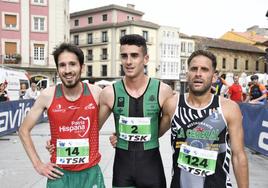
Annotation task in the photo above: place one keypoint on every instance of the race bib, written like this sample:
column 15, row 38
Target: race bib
column 199, row 162
column 72, row 151
column 136, row 129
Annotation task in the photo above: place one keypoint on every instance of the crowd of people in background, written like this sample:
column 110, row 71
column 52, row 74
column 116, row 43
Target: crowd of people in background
column 31, row 93
column 254, row 92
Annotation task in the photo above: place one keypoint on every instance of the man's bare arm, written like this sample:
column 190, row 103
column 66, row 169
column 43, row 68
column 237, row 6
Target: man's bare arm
column 239, row 158
column 106, row 103
column 168, row 110
column 29, row 122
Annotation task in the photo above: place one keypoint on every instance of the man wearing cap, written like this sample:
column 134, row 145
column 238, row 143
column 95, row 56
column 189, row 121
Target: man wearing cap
column 257, row 92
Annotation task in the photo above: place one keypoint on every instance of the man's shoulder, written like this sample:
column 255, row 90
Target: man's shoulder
column 227, row 103
column 94, row 87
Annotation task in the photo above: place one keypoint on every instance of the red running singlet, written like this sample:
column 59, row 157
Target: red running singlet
column 74, row 130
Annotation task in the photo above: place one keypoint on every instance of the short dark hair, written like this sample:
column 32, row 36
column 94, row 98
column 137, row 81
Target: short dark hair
column 134, row 39
column 205, row 53
column 69, row 48
column 254, row 77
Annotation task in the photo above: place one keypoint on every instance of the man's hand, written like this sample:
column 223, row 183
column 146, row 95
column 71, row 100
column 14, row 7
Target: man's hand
column 48, row 170
column 113, row 139
column 50, row 147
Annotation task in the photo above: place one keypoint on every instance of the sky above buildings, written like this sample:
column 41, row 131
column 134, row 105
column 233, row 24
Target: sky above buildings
column 211, row 18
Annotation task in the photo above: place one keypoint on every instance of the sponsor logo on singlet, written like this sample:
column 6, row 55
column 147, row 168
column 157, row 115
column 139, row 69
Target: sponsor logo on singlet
column 120, row 102
column 90, row 106
column 80, row 126
column 58, row 109
column 73, row 107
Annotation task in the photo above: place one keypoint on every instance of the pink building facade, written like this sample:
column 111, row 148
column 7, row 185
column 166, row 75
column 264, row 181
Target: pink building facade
column 29, row 33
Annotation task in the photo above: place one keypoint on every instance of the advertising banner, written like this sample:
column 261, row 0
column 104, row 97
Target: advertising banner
column 255, row 124
column 12, row 114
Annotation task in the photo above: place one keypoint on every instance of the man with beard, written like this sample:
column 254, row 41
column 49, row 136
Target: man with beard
column 72, row 109
column 206, row 131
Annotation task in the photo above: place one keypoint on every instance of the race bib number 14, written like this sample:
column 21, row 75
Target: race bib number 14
column 72, row 151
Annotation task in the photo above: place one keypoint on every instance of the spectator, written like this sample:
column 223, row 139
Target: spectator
column 257, row 92
column 235, row 91
column 217, row 85
column 22, row 90
column 3, row 93
column 31, row 93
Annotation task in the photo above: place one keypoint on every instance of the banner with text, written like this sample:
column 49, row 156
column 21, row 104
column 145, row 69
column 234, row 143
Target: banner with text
column 12, row 114
column 255, row 124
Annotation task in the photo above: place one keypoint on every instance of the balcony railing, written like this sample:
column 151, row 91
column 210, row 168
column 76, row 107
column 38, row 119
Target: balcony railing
column 10, row 26
column 104, row 56
column 39, row 62
column 94, row 41
column 89, row 57
column 10, row 59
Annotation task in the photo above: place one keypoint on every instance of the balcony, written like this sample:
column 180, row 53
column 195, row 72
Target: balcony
column 38, row 61
column 10, row 59
column 11, row 26
column 93, row 42
column 104, row 57
column 89, row 58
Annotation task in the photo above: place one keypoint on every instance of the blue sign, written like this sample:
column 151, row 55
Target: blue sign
column 12, row 114
column 255, row 124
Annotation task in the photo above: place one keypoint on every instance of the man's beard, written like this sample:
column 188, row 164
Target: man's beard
column 70, row 86
column 200, row 92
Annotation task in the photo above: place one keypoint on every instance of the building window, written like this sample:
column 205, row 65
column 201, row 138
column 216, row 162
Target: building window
column 39, row 51
column 183, row 65
column 90, row 55
column 104, row 70
column 10, row 21
column 10, row 51
column 104, row 54
column 122, row 73
column 145, row 35
column 39, row 24
column 76, row 39
column 104, row 36
column 104, row 17
column 257, row 65
column 163, row 68
column 190, row 47
column 90, row 20
column 89, row 70
column 89, row 38
column 122, row 33
column 223, row 63
column 246, row 65
column 76, row 22
column 235, row 63
column 145, row 69
column 183, row 48
column 39, row 2
column 13, row 1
